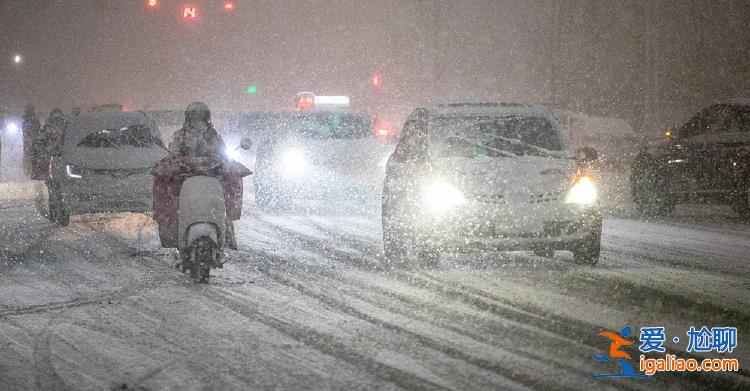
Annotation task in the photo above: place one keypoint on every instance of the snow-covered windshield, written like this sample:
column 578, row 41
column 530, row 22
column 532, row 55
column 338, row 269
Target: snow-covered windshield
column 493, row 137
column 135, row 136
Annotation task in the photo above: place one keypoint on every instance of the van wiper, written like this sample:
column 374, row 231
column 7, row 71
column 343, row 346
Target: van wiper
column 474, row 144
column 542, row 151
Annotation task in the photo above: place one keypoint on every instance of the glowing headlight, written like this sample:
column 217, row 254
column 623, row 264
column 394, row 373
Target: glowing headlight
column 231, row 153
column 292, row 162
column 12, row 128
column 70, row 170
column 441, row 196
column 583, row 192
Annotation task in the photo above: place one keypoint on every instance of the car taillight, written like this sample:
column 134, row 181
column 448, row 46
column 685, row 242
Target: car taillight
column 384, row 131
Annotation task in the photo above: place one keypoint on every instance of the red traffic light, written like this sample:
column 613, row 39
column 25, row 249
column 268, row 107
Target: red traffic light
column 189, row 12
column 228, row 6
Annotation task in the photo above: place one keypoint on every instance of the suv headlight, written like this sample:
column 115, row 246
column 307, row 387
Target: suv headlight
column 292, row 162
column 72, row 172
column 441, row 196
column 583, row 192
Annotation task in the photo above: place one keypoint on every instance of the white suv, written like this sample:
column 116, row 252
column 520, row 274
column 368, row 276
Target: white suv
column 493, row 177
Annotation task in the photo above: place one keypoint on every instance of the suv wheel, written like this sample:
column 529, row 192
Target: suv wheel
column 58, row 214
column 586, row 251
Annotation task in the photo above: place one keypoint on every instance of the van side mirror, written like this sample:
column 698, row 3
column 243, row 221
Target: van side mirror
column 246, row 143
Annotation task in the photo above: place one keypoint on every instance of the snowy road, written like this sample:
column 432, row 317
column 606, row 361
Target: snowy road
column 304, row 304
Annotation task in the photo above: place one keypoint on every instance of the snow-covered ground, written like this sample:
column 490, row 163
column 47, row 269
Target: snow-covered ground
column 305, row 304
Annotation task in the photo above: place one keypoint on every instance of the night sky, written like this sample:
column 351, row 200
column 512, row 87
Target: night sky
column 607, row 58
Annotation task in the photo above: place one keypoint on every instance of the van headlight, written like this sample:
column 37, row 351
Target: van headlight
column 440, row 196
column 292, row 162
column 72, row 172
column 583, row 192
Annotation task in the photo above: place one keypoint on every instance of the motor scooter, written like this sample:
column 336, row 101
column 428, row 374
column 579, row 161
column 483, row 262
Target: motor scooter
column 196, row 201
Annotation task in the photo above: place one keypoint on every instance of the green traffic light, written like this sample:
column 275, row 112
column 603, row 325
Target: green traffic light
column 252, row 90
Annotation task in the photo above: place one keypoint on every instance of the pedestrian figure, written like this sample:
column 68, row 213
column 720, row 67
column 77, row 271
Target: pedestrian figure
column 30, row 128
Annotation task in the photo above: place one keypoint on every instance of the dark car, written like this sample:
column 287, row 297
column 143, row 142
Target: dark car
column 103, row 164
column 706, row 160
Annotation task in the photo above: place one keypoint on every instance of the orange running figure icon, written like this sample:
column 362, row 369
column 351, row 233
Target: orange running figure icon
column 617, row 342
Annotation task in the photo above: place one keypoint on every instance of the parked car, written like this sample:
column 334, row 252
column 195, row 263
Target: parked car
column 102, row 164
column 706, row 160
column 488, row 177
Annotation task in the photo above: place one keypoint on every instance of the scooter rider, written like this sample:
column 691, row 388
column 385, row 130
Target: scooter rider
column 199, row 138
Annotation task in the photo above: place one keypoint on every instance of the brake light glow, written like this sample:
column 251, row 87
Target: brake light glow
column 384, row 131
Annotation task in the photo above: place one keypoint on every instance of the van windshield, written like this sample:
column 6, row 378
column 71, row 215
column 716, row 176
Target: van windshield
column 494, row 137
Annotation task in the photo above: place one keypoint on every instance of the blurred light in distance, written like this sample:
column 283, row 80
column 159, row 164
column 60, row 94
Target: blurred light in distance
column 384, row 131
column 377, row 80
column 228, row 6
column 17, row 59
column 304, row 100
column 252, row 90
column 12, row 128
column 292, row 162
column 331, row 102
column 232, row 153
column 583, row 192
column 153, row 3
column 189, row 12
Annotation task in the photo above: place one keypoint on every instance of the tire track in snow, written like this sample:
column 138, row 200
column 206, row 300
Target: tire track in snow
column 506, row 371
column 324, row 343
column 573, row 330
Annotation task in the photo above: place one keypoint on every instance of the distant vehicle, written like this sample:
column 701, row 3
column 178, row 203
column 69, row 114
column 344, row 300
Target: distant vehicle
column 102, row 164
column 318, row 155
column 467, row 177
column 706, row 160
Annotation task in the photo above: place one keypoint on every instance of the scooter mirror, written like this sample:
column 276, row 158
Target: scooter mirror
column 246, row 143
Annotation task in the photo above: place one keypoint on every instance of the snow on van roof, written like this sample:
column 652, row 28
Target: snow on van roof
column 490, row 109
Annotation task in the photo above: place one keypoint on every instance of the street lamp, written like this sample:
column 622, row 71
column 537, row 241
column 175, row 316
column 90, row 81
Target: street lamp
column 17, row 59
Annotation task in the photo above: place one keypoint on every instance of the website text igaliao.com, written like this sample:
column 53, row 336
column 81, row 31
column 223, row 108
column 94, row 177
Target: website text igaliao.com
column 671, row 363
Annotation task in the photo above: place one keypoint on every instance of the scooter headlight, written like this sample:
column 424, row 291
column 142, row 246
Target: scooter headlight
column 292, row 162
column 231, row 153
column 583, row 192
column 441, row 196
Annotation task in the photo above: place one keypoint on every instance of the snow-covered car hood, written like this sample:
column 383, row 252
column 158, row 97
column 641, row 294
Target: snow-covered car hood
column 520, row 176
